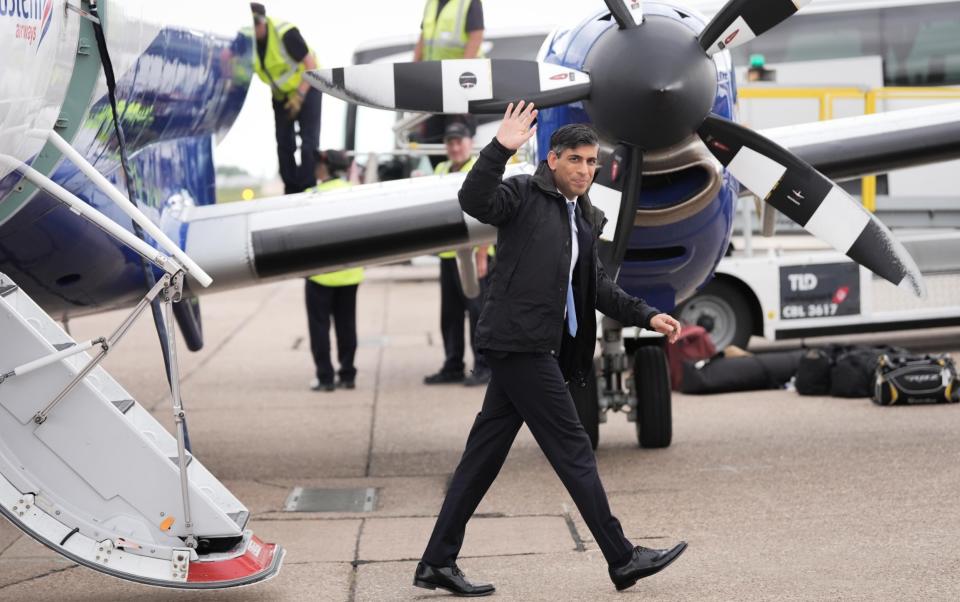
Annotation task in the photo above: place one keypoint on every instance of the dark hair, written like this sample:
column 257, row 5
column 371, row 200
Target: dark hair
column 572, row 136
column 336, row 161
column 259, row 12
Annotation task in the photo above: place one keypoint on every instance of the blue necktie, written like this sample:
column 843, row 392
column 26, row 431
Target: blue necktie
column 571, row 309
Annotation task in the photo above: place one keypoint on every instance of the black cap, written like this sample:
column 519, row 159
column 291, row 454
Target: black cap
column 258, row 9
column 336, row 160
column 456, row 130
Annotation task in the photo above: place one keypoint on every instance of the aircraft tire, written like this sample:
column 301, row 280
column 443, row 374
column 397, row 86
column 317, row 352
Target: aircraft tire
column 652, row 387
column 587, row 402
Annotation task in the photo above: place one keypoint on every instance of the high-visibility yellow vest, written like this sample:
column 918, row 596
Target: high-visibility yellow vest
column 445, row 35
column 277, row 65
column 443, row 169
column 343, row 277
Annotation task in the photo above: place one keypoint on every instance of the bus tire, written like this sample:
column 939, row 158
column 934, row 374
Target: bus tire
column 723, row 310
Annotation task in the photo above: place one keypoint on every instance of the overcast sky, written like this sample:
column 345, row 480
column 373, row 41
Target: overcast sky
column 334, row 30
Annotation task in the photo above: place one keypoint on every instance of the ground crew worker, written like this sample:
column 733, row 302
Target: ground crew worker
column 450, row 29
column 281, row 58
column 333, row 294
column 453, row 302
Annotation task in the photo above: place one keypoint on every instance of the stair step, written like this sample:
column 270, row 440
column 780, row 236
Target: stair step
column 240, row 518
column 176, row 460
column 124, row 405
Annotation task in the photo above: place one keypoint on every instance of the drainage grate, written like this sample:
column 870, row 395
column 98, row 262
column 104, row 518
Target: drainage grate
column 331, row 500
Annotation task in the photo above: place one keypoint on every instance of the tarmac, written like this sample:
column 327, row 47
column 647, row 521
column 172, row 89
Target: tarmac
column 780, row 497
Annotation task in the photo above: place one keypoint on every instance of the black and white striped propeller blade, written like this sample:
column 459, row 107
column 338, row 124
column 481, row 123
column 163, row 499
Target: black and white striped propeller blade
column 453, row 86
column 627, row 13
column 739, row 21
column 616, row 190
column 807, row 197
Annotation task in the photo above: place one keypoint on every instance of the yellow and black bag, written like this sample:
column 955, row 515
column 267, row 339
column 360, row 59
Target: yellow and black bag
column 915, row 379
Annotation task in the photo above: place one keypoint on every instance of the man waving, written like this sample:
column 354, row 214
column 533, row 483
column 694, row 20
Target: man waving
column 538, row 331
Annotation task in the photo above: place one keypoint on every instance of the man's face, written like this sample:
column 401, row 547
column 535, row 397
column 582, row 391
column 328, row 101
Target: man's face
column 260, row 29
column 574, row 168
column 459, row 149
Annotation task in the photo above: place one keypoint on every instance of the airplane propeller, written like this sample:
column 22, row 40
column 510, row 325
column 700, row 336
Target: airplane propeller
column 810, row 199
column 455, row 86
column 740, row 21
column 662, row 102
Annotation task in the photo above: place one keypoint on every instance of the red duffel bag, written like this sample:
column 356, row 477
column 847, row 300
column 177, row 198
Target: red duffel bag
column 693, row 345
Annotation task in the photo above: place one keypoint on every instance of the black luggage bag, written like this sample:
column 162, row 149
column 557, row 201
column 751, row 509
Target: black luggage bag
column 903, row 379
column 730, row 374
column 841, row 370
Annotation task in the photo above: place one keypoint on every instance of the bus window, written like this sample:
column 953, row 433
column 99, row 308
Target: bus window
column 816, row 37
column 918, row 43
column 921, row 46
column 823, row 45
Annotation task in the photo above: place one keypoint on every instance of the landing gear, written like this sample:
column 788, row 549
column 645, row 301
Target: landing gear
column 651, row 376
column 649, row 402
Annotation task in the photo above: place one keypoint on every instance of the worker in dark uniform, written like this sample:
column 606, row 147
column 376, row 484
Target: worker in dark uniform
column 454, row 304
column 538, row 330
column 280, row 59
column 450, row 29
column 333, row 294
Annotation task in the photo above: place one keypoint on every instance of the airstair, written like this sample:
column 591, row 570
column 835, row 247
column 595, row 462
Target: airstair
column 89, row 472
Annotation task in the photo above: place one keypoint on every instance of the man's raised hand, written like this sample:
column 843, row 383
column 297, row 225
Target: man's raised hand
column 516, row 128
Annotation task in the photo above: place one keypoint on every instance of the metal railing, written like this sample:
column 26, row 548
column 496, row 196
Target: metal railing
column 827, row 96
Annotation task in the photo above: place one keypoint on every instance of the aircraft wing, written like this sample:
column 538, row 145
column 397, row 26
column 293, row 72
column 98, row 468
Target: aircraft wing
column 302, row 234
column 853, row 147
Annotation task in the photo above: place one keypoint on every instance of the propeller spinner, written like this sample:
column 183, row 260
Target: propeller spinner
column 651, row 86
column 649, row 83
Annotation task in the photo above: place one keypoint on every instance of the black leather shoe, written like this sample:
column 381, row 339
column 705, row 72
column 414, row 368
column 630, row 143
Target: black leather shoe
column 643, row 563
column 316, row 385
column 449, row 578
column 346, row 384
column 443, row 378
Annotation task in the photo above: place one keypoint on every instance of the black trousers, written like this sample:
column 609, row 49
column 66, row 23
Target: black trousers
column 453, row 305
column 297, row 178
column 526, row 387
column 341, row 303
